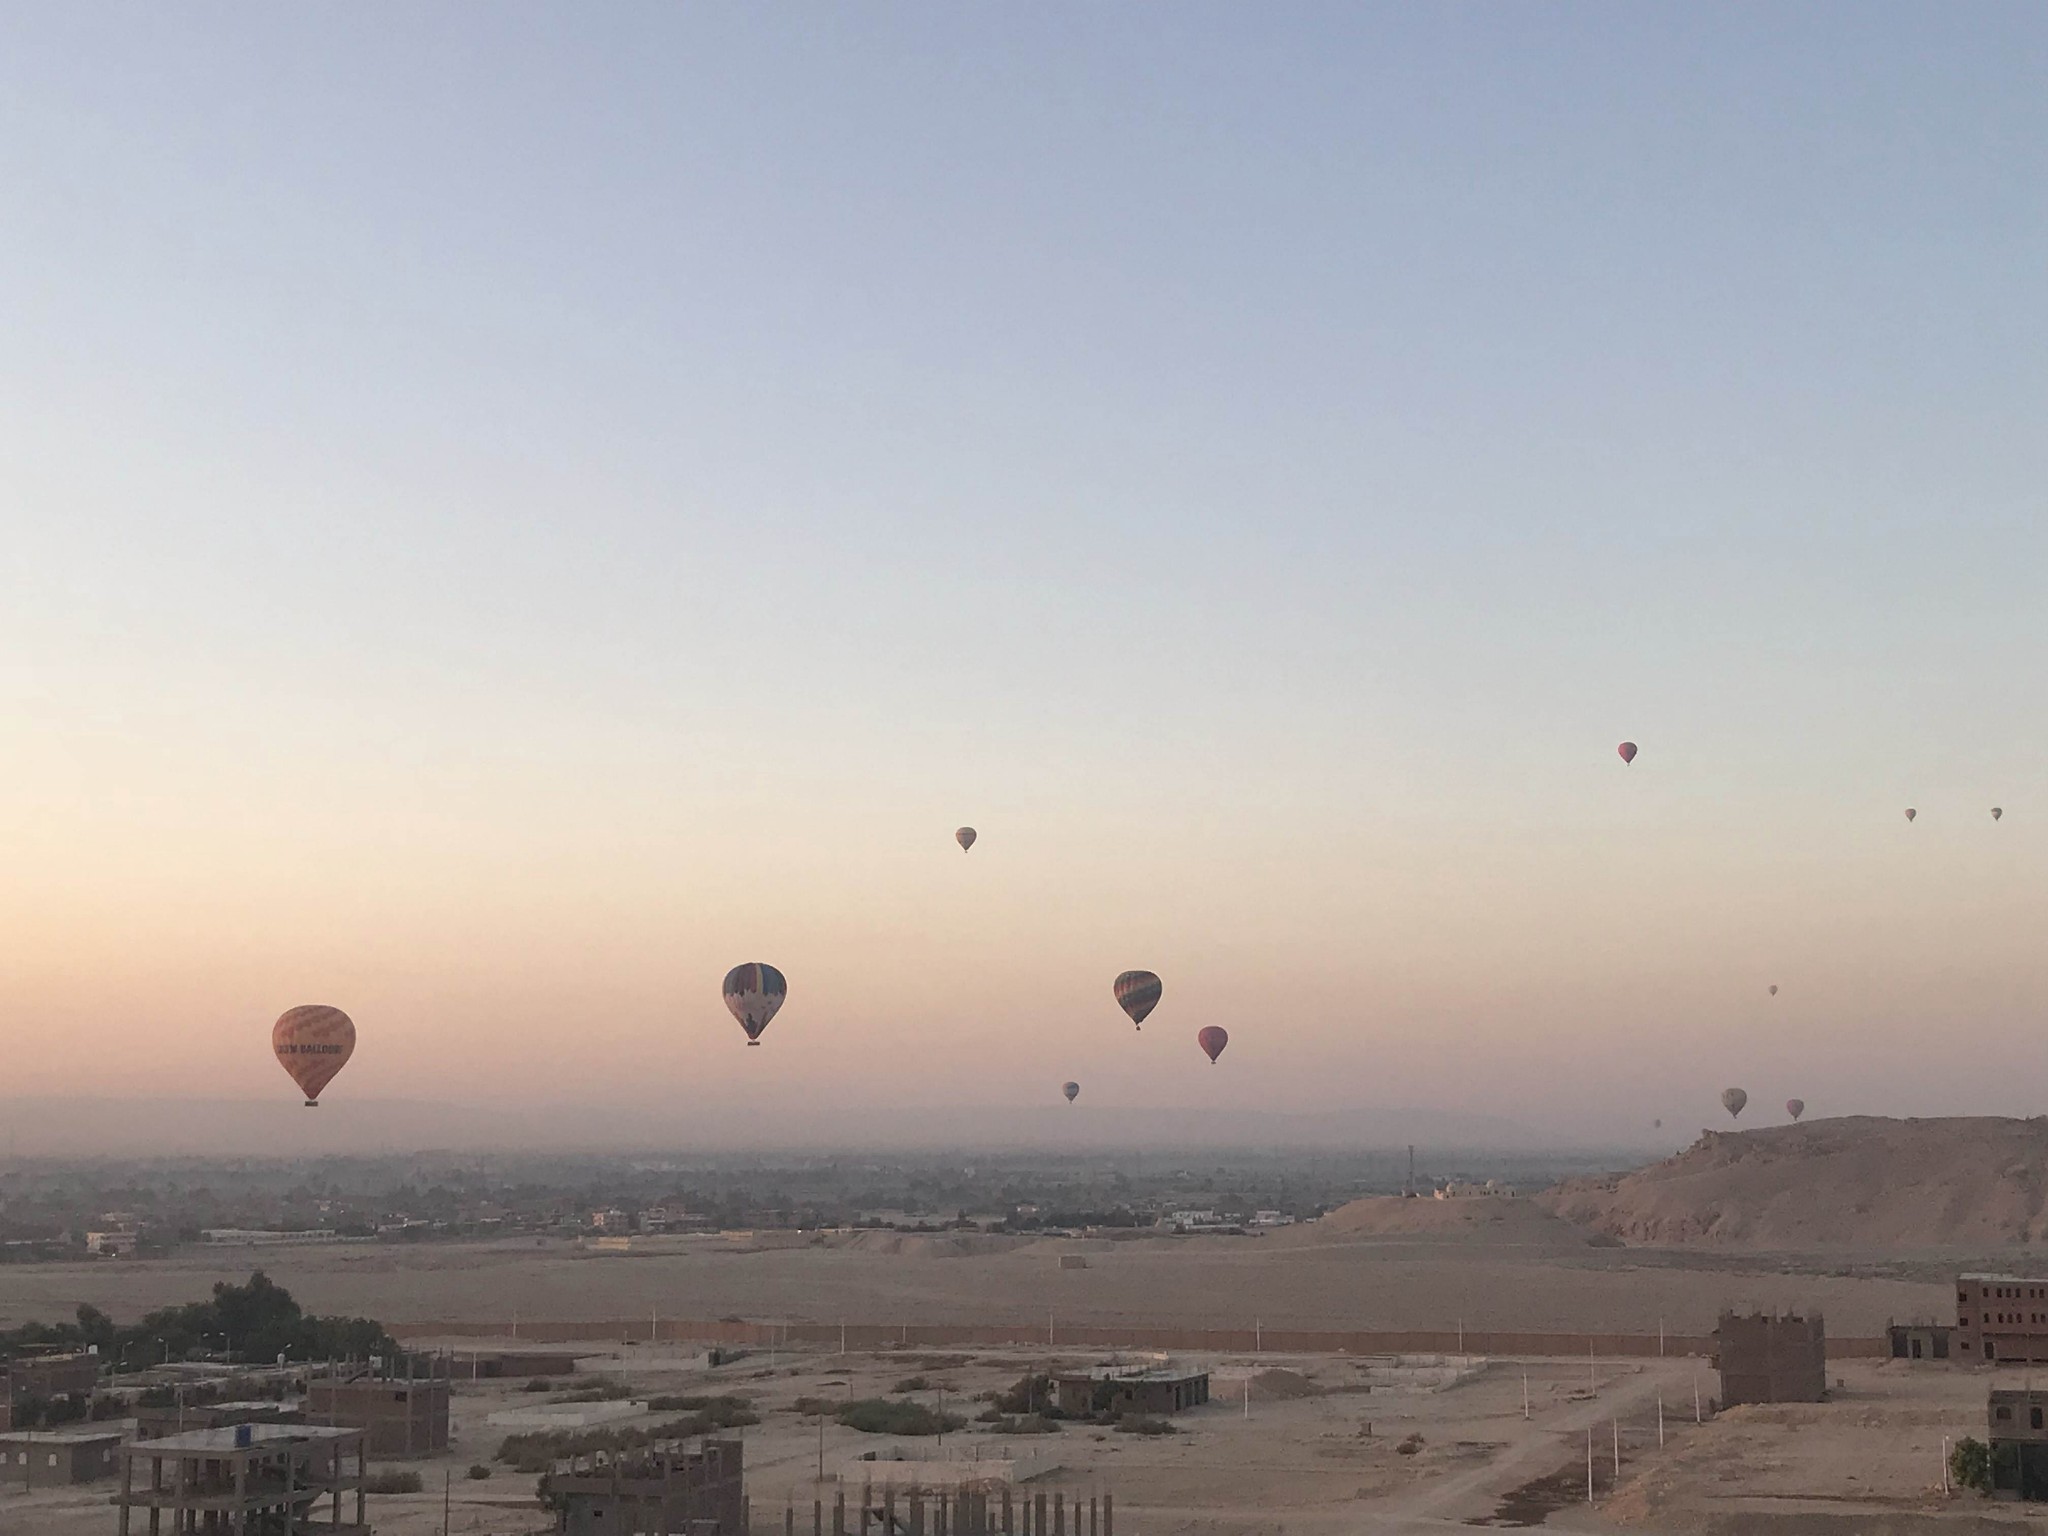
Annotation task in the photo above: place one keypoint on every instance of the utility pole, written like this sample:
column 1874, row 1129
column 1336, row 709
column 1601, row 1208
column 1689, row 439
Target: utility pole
column 447, row 1500
column 1525, row 1392
column 1617, row 1449
column 1696, row 1392
column 1592, row 1373
column 1660, row 1419
column 1589, row 1463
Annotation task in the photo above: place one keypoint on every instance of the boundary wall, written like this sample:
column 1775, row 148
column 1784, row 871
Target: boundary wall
column 868, row 1337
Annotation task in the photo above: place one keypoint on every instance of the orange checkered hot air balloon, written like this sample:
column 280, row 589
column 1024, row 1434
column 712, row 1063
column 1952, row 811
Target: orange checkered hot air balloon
column 313, row 1043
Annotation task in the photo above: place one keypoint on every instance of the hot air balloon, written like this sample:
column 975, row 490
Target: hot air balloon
column 1911, row 813
column 1774, row 989
column 1732, row 1100
column 1072, row 1091
column 1212, row 1038
column 1137, row 993
column 1656, row 1125
column 1997, row 811
column 753, row 992
column 964, row 837
column 1628, row 751
column 1795, row 1107
column 313, row 1043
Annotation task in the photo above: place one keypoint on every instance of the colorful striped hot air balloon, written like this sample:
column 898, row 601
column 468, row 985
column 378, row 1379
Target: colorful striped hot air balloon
column 753, row 992
column 312, row 1044
column 1137, row 993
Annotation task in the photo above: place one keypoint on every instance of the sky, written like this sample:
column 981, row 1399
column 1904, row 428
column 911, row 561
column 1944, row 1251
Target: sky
column 507, row 512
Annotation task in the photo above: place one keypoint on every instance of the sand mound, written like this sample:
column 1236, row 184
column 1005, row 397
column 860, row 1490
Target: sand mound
column 1482, row 1218
column 1280, row 1386
column 1860, row 1182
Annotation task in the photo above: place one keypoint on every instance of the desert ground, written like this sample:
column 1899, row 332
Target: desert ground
column 1341, row 1281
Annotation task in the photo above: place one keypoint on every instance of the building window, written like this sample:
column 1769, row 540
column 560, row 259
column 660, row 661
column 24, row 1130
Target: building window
column 2034, row 1417
column 2001, row 1414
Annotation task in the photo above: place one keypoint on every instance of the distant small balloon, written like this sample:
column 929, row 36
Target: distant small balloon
column 1212, row 1039
column 1072, row 1091
column 1628, row 751
column 312, row 1044
column 1732, row 1100
column 1911, row 813
column 964, row 837
column 1774, row 989
column 1656, row 1125
column 753, row 992
column 1795, row 1107
column 1137, row 993
column 1997, row 812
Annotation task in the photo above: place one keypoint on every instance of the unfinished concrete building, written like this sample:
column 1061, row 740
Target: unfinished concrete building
column 1771, row 1358
column 268, row 1478
column 666, row 1490
column 403, row 1415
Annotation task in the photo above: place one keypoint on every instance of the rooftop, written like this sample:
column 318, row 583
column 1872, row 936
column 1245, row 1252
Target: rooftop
column 1131, row 1373
column 201, row 1442
column 70, row 1435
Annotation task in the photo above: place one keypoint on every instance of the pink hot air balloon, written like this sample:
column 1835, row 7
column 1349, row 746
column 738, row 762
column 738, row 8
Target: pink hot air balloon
column 1628, row 751
column 1911, row 813
column 313, row 1043
column 1795, row 1107
column 1212, row 1038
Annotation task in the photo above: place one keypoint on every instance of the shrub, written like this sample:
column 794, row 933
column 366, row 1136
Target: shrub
column 1138, row 1424
column 603, row 1392
column 880, row 1416
column 541, row 1449
column 1969, row 1463
column 392, row 1482
column 538, row 1384
column 478, row 1472
column 1409, row 1447
column 697, row 1404
column 1029, row 1394
column 912, row 1384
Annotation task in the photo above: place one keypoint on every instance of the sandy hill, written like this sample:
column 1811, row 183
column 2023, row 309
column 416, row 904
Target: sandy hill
column 1476, row 1218
column 1857, row 1182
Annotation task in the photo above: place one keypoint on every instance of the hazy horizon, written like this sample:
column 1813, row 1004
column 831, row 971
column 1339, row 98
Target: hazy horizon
column 512, row 513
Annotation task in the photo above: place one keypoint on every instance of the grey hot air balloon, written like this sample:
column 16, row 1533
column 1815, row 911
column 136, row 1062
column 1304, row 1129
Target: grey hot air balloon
column 1072, row 1091
column 1137, row 993
column 1997, row 811
column 965, row 838
column 1795, row 1107
column 1732, row 1100
column 1774, row 989
column 1911, row 813
column 753, row 992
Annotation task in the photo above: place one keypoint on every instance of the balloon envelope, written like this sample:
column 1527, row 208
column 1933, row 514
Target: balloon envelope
column 1628, row 751
column 313, row 1043
column 1212, row 1039
column 1774, row 989
column 1997, row 811
column 1072, row 1091
column 1795, row 1107
column 1911, row 813
column 753, row 992
column 1732, row 1100
column 964, row 837
column 1137, row 993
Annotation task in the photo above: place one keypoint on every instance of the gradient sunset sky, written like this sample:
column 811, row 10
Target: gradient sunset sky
column 510, row 511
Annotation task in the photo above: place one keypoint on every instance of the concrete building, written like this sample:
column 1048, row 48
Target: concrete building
column 247, row 1477
column 1771, row 1358
column 48, row 1458
column 1920, row 1341
column 492, row 1364
column 112, row 1245
column 2001, row 1319
column 1116, row 1390
column 664, row 1491
column 402, row 1416
column 2018, row 1425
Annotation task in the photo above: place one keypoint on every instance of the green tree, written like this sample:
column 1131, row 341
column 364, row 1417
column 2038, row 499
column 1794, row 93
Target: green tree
column 1969, row 1464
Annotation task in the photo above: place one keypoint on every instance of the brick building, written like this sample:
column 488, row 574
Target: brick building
column 700, row 1491
column 2018, row 1433
column 271, row 1478
column 2001, row 1319
column 402, row 1416
column 52, row 1378
column 46, row 1458
column 1771, row 1358
column 1118, row 1390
